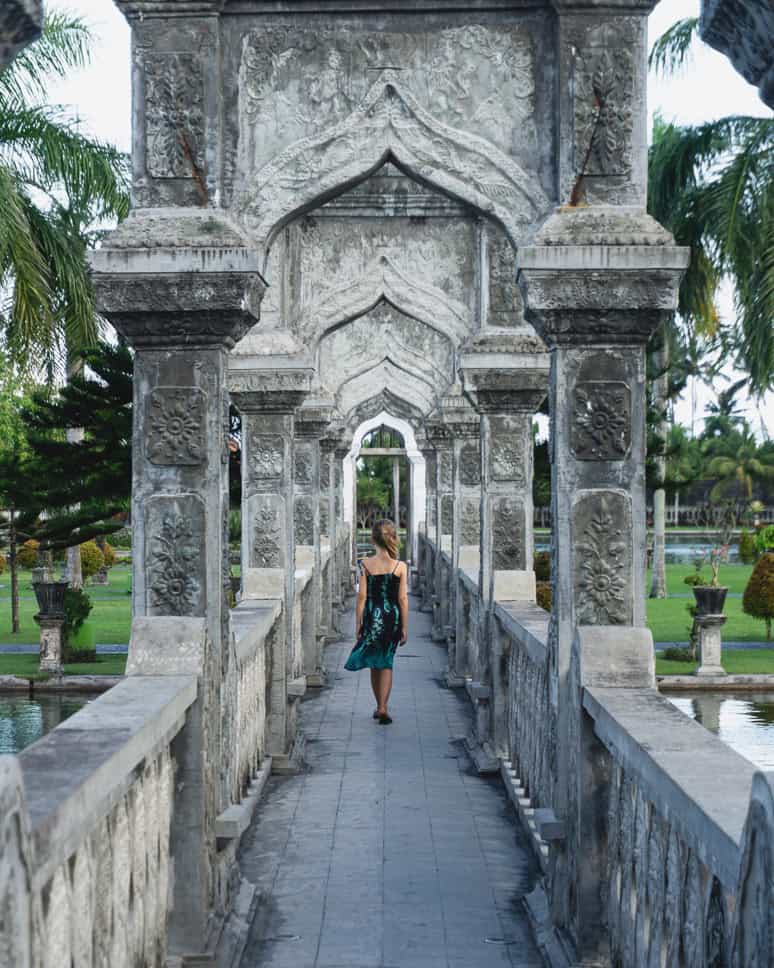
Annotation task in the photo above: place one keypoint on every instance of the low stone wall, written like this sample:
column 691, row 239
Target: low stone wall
column 670, row 857
column 86, row 813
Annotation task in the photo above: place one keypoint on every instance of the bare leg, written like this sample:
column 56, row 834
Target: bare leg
column 375, row 686
column 384, row 688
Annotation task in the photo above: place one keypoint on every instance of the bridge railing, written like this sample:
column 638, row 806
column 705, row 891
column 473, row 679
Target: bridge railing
column 669, row 856
column 86, row 815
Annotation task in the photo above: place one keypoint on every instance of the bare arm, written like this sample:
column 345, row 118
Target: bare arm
column 362, row 592
column 403, row 603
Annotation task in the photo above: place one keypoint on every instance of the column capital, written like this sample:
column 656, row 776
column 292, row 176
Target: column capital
column 313, row 418
column 458, row 414
column 332, row 439
column 505, row 373
column 184, row 278
column 599, row 276
column 269, row 389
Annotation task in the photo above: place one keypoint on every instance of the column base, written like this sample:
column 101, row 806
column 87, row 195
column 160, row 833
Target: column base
column 288, row 764
column 453, row 681
column 708, row 671
column 482, row 755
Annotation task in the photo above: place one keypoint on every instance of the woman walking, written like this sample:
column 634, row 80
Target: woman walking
column 381, row 618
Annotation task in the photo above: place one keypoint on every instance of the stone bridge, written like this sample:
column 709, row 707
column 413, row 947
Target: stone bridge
column 430, row 216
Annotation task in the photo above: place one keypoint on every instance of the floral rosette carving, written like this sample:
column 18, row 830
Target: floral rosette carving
column 176, row 433
column 601, row 584
column 266, row 458
column 508, row 459
column 173, row 583
column 601, row 420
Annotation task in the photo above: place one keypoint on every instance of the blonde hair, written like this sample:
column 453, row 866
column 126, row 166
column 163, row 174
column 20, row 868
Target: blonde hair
column 385, row 536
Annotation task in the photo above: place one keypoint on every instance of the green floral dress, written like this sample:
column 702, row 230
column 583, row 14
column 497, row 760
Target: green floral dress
column 381, row 629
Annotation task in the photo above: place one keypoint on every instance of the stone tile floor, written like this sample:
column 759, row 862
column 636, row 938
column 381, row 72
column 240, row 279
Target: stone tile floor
column 389, row 851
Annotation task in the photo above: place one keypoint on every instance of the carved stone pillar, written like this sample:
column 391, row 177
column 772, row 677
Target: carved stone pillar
column 312, row 421
column 344, row 555
column 596, row 284
column 182, row 308
column 440, row 437
column 267, row 399
column 329, row 528
column 506, row 377
column 431, row 500
column 462, row 422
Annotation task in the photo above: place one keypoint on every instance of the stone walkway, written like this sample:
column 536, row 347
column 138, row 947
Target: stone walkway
column 389, row 852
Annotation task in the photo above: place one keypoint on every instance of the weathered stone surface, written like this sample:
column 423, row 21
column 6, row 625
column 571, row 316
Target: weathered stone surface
column 20, row 23
column 176, row 556
column 743, row 31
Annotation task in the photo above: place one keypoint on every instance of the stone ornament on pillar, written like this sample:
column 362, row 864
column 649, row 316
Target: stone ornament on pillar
column 176, row 427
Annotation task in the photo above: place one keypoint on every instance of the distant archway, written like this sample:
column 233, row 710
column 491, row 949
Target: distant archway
column 418, row 483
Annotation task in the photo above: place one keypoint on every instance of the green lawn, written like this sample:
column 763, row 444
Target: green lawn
column 110, row 616
column 26, row 665
column 735, row 662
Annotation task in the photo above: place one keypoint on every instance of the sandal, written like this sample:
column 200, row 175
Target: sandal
column 384, row 719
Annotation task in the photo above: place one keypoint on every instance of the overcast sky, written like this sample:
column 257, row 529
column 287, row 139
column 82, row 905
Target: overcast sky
column 709, row 88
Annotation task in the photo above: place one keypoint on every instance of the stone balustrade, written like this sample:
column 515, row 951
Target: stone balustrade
column 681, row 854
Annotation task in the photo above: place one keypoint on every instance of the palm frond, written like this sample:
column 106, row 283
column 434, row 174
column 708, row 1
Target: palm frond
column 62, row 47
column 672, row 49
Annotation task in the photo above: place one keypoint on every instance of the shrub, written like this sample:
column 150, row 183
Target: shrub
column 122, row 539
column 109, row 554
column 543, row 595
column 77, row 606
column 542, row 565
column 2, row 563
column 234, row 527
column 81, row 646
column 747, row 550
column 758, row 598
column 27, row 555
column 764, row 538
column 92, row 559
column 678, row 653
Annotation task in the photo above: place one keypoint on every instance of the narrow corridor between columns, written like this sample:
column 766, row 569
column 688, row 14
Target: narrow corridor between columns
column 389, row 851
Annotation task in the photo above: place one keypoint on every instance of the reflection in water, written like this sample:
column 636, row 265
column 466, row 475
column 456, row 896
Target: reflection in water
column 743, row 720
column 23, row 720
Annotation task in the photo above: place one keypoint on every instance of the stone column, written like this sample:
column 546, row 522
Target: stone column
column 428, row 558
column 312, row 421
column 396, row 491
column 182, row 307
column 344, row 556
column 267, row 399
column 710, row 645
column 440, row 437
column 596, row 284
column 506, row 377
column 330, row 528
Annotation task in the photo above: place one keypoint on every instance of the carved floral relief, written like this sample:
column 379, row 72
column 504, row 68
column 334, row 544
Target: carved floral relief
column 601, row 426
column 267, row 538
column 470, row 530
column 267, row 460
column 603, row 110
column 303, row 521
column 174, row 115
column 602, row 571
column 470, row 464
column 507, row 534
column 447, row 468
column 447, row 515
column 508, row 458
column 174, row 570
column 303, row 466
column 176, row 426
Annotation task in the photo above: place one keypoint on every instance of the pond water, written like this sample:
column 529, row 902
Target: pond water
column 744, row 720
column 24, row 719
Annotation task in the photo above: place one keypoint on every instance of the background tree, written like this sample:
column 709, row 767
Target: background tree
column 712, row 186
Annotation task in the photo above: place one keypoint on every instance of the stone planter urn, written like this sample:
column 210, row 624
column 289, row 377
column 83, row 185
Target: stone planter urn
column 50, row 618
column 710, row 599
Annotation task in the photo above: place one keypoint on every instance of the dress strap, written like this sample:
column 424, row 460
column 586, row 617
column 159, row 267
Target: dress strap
column 396, row 567
column 365, row 567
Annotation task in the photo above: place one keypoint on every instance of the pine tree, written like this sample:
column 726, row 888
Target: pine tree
column 81, row 485
column 758, row 598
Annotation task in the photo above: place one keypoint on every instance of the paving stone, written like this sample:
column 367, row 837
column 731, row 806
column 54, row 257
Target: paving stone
column 388, row 852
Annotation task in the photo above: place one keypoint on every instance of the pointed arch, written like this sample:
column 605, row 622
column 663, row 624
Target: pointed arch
column 416, row 391
column 389, row 123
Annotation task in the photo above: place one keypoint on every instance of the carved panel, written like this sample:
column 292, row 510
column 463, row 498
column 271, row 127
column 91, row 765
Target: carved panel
column 176, row 426
column 447, row 470
column 174, row 115
column 303, row 521
column 325, row 473
column 447, row 514
column 266, row 458
column 602, row 572
column 604, row 90
column 324, row 516
column 470, row 530
column 509, row 459
column 470, row 464
column 267, row 549
column 303, row 466
column 601, row 420
column 507, row 534
column 176, row 554
column 506, row 307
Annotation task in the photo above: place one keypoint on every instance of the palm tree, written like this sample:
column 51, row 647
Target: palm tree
column 712, row 185
column 55, row 185
column 738, row 467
